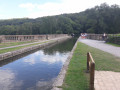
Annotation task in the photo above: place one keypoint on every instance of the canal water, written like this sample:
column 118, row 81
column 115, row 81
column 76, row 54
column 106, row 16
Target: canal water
column 36, row 71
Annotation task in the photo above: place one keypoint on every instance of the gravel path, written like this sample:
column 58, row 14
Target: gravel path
column 102, row 46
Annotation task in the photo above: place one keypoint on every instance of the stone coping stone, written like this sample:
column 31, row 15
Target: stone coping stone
column 14, row 53
column 8, row 54
column 1, row 57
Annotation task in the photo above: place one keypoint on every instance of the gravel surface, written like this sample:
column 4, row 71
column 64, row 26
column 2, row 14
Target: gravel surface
column 102, row 46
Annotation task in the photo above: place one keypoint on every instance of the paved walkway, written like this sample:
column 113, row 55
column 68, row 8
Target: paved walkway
column 105, row 80
column 102, row 46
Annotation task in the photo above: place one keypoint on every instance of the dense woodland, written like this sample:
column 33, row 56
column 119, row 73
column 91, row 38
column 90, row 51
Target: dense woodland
column 100, row 19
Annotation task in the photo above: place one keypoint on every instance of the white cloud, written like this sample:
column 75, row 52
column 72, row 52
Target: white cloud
column 65, row 6
column 30, row 61
column 51, row 59
column 7, row 80
column 45, row 85
column 56, row 58
column 28, row 6
column 1, row 15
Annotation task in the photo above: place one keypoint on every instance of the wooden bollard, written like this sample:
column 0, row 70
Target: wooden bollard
column 92, row 72
column 88, row 59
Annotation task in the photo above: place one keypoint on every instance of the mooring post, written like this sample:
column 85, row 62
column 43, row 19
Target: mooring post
column 92, row 72
column 88, row 59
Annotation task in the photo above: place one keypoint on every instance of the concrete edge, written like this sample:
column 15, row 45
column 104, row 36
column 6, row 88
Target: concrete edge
column 28, row 49
column 60, row 78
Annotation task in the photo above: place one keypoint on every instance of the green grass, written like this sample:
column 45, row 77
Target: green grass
column 76, row 77
column 113, row 44
column 16, row 48
column 111, row 35
column 7, row 44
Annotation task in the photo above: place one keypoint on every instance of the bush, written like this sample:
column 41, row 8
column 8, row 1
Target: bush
column 115, row 40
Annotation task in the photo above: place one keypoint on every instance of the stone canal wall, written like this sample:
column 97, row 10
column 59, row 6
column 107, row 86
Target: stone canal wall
column 28, row 49
column 18, row 38
column 60, row 78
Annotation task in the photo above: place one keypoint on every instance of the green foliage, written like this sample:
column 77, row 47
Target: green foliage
column 114, row 39
column 58, row 32
column 90, row 30
column 100, row 19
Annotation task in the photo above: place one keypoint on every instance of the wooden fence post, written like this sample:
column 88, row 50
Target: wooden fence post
column 88, row 59
column 92, row 69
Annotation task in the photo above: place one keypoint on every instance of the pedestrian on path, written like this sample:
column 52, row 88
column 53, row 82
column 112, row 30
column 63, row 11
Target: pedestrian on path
column 104, row 36
column 83, row 35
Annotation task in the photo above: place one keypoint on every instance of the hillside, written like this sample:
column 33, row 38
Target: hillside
column 100, row 19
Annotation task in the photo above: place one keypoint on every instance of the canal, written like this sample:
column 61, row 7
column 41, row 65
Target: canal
column 36, row 71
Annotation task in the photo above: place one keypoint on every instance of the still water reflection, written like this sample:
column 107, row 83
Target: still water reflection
column 36, row 71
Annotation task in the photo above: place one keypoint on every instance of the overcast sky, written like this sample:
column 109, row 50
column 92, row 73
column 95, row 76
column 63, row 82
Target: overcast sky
column 38, row 8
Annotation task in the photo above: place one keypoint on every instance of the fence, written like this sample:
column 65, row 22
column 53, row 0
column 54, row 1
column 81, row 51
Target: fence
column 97, row 36
column 91, row 69
column 18, row 38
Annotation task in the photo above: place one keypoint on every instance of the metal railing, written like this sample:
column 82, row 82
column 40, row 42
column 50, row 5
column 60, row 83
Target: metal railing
column 91, row 69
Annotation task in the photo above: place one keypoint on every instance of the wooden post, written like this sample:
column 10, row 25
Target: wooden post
column 92, row 72
column 91, row 69
column 88, row 59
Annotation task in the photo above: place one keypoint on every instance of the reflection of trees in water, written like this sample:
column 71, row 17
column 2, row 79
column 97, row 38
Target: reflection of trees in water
column 63, row 47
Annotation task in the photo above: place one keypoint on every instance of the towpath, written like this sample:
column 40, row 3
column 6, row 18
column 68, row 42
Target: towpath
column 28, row 44
column 105, row 80
column 102, row 46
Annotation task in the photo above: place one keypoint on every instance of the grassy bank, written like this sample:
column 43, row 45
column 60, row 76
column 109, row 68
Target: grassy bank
column 16, row 48
column 113, row 44
column 76, row 77
column 8, row 44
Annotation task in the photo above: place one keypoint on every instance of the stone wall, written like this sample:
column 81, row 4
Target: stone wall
column 60, row 78
column 28, row 49
column 18, row 38
column 96, row 36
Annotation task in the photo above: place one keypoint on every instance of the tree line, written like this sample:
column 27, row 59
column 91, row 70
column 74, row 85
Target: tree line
column 100, row 19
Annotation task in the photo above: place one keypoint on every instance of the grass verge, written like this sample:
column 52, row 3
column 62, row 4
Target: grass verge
column 113, row 44
column 8, row 44
column 16, row 48
column 76, row 77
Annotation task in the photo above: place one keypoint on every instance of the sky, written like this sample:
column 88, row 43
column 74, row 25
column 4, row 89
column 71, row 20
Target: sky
column 10, row 9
